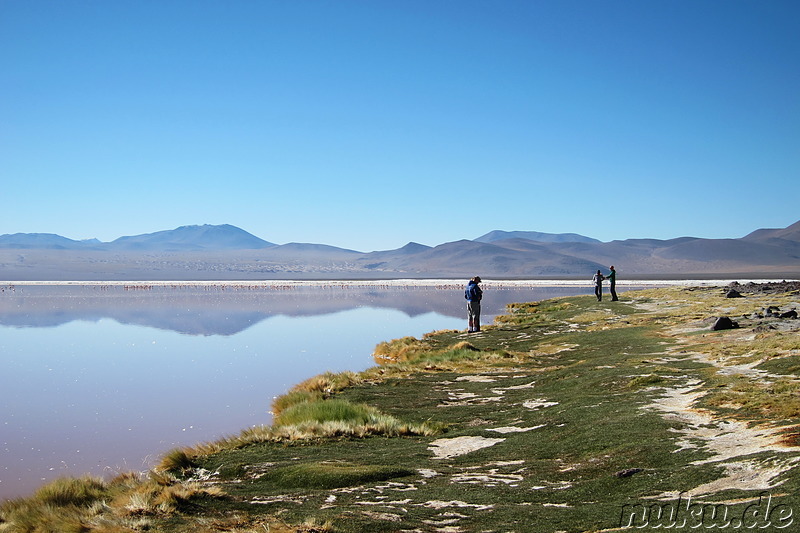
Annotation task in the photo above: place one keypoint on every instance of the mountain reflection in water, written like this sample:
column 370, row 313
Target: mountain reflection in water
column 103, row 378
column 227, row 309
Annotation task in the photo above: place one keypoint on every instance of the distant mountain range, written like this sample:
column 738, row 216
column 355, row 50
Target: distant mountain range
column 227, row 252
column 182, row 239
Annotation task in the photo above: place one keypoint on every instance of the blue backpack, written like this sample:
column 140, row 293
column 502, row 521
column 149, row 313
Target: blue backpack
column 469, row 293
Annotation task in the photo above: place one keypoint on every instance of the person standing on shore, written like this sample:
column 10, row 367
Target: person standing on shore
column 598, row 285
column 473, row 294
column 612, row 283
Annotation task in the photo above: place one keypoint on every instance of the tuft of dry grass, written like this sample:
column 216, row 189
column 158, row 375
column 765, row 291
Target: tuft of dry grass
column 176, row 460
column 80, row 505
column 437, row 333
column 404, row 356
column 737, row 349
column 65, row 492
column 399, row 350
column 464, row 345
column 776, row 400
column 329, row 382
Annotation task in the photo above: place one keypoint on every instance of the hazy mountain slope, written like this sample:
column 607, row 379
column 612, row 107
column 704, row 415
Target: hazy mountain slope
column 728, row 250
column 681, row 255
column 49, row 241
column 389, row 259
column 518, row 258
column 306, row 251
column 790, row 233
column 499, row 235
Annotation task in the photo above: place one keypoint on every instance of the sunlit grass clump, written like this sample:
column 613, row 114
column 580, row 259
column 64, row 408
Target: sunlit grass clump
column 329, row 382
column 176, row 460
column 400, row 350
column 71, row 491
column 64, row 505
column 778, row 399
column 315, row 389
column 294, row 397
column 649, row 380
column 337, row 417
column 740, row 350
column 535, row 313
column 328, row 411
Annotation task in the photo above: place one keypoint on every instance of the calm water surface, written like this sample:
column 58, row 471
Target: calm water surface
column 105, row 378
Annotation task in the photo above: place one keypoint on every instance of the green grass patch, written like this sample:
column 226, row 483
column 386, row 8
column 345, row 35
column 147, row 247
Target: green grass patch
column 331, row 475
column 294, row 397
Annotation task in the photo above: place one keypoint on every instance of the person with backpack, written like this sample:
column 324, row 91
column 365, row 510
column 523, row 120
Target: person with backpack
column 473, row 294
column 597, row 279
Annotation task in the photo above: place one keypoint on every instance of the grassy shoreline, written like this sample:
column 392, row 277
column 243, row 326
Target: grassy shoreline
column 560, row 417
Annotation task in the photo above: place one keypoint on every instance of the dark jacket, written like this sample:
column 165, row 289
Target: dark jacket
column 473, row 293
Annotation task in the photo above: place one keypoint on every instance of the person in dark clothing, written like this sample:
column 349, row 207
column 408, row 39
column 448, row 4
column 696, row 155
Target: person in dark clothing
column 612, row 283
column 598, row 285
column 473, row 294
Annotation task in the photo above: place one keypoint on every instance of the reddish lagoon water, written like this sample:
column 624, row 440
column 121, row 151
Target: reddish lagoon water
column 102, row 379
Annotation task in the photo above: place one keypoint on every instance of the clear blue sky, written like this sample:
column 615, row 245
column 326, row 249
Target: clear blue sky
column 369, row 124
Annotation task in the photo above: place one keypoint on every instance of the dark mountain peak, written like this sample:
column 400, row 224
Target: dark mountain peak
column 499, row 235
column 413, row 248
column 187, row 238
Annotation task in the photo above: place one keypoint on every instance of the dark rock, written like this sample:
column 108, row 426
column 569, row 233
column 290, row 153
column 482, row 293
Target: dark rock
column 724, row 322
column 767, row 288
column 788, row 314
column 628, row 472
column 733, row 293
